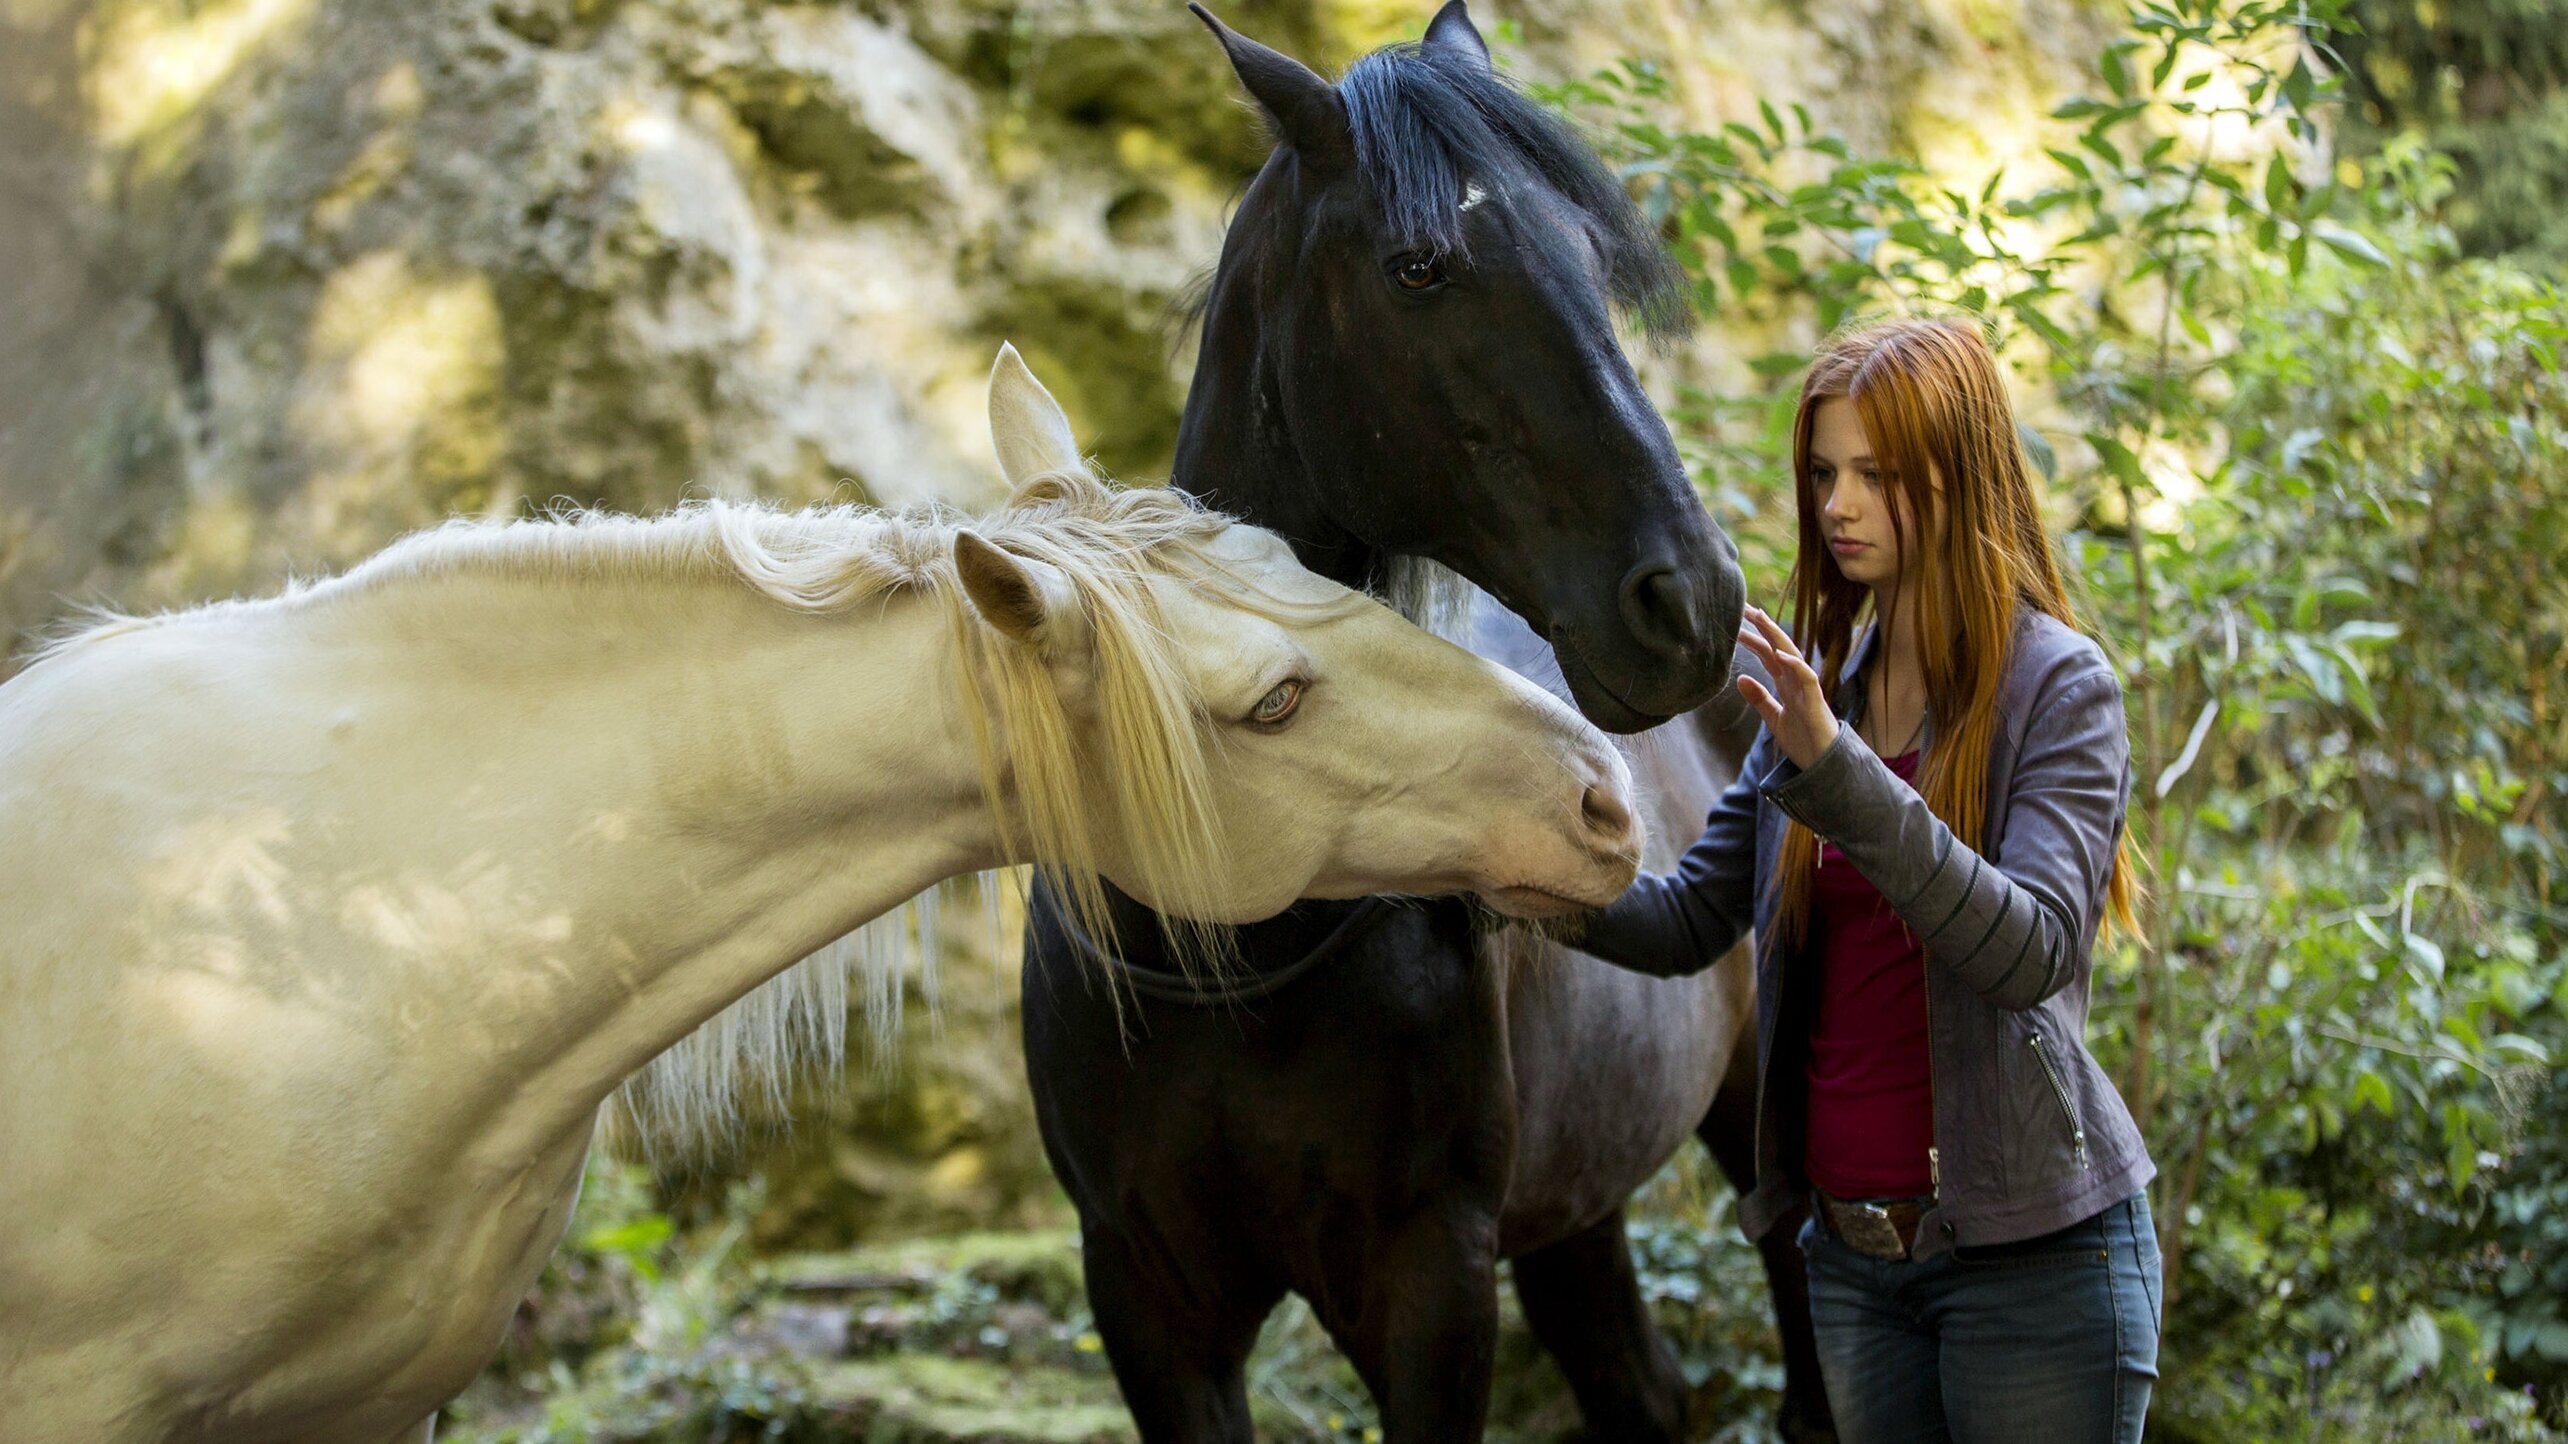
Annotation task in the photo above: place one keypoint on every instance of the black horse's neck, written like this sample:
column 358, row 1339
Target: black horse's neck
column 1262, row 949
column 1234, row 450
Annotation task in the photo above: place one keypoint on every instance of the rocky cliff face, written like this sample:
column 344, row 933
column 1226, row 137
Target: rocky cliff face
column 280, row 279
column 316, row 273
column 285, row 277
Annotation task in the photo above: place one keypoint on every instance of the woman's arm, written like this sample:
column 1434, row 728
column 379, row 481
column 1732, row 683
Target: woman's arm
column 2015, row 932
column 1681, row 922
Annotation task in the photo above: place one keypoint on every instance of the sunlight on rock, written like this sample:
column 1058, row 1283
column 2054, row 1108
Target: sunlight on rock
column 1360, row 25
column 399, row 95
column 157, row 62
column 640, row 129
column 218, row 538
column 406, row 348
column 398, row 398
column 370, row 170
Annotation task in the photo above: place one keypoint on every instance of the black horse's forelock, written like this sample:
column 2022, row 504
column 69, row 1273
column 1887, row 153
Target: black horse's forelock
column 1426, row 123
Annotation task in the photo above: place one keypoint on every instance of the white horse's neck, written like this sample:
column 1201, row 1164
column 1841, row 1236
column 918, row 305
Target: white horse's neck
column 611, row 811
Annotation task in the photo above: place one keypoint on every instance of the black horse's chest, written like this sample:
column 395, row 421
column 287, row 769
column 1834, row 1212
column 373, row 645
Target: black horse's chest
column 1349, row 1094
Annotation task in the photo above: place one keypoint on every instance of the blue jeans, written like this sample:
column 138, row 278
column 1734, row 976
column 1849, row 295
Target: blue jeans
column 2053, row 1340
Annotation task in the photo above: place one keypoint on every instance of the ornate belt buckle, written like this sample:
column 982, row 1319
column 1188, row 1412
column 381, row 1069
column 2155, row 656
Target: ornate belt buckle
column 1867, row 1227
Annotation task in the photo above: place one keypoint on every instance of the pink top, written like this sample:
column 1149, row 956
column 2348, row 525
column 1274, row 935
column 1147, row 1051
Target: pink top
column 1871, row 1108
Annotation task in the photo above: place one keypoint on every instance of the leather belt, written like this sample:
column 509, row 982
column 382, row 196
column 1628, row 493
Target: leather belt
column 1883, row 1228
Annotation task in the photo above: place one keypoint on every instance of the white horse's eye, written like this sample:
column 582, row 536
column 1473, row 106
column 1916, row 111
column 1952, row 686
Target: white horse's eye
column 1277, row 704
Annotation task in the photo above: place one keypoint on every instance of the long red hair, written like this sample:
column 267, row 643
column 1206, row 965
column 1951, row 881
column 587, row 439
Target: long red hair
column 1934, row 408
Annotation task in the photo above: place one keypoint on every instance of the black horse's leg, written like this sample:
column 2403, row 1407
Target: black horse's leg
column 1425, row 1328
column 1179, row 1355
column 1583, row 1302
column 1730, row 1132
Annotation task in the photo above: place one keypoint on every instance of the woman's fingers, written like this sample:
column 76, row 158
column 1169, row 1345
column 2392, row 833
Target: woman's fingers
column 1775, row 635
column 1795, row 707
column 1763, row 700
column 1755, row 642
column 1778, row 642
column 1781, row 657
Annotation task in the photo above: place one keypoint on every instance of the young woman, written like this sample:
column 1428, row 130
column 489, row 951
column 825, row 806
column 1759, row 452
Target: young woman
column 1925, row 839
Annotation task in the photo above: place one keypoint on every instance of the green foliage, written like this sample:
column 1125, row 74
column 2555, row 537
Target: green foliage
column 2485, row 82
column 2312, row 462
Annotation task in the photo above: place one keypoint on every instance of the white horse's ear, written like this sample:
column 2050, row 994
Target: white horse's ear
column 1026, row 424
column 1028, row 601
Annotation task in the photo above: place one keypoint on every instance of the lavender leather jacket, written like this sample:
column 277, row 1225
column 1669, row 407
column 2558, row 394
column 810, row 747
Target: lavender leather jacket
column 2030, row 1136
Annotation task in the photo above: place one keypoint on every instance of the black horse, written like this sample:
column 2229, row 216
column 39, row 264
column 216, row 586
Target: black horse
column 1408, row 357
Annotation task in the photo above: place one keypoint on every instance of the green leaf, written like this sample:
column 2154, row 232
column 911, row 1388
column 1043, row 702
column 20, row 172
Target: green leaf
column 634, row 1236
column 2116, row 74
column 2520, row 1048
column 2352, row 245
column 2300, row 85
column 2119, row 459
column 2460, row 1147
column 2364, row 636
column 2428, row 956
column 2372, row 1091
column 2038, row 449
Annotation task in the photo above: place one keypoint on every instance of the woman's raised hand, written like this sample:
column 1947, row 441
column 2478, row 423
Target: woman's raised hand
column 1796, row 712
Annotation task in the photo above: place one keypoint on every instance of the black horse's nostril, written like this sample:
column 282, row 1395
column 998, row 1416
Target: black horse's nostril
column 1658, row 610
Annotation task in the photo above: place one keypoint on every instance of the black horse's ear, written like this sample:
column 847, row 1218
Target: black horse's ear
column 1452, row 33
column 1308, row 114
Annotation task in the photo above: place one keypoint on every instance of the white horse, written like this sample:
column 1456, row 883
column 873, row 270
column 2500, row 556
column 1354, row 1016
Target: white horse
column 328, row 921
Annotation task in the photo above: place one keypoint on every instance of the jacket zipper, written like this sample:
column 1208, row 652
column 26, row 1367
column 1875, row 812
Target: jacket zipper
column 2060, row 1091
column 1934, row 1156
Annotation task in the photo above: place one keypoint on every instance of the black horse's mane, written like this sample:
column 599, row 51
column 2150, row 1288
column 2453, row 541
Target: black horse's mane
column 1427, row 121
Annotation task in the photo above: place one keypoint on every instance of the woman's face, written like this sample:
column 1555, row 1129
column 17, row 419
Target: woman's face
column 1855, row 504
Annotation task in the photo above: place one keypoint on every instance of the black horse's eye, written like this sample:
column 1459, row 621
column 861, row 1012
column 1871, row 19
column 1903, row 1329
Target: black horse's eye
column 1418, row 273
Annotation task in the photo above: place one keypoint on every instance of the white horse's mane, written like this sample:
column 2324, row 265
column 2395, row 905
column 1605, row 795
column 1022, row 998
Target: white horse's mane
column 817, row 559
column 1432, row 596
column 1108, row 542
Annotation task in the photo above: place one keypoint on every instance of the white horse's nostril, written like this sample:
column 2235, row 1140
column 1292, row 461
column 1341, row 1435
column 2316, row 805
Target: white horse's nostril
column 1607, row 816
